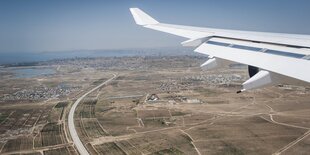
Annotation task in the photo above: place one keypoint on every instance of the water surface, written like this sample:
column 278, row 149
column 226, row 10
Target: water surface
column 32, row 72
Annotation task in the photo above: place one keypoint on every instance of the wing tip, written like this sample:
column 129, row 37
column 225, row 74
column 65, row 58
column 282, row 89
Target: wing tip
column 141, row 18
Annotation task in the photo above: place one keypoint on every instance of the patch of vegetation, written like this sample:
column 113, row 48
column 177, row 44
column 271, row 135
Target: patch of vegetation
column 171, row 150
column 109, row 148
column 61, row 104
column 18, row 144
column 120, row 78
column 230, row 149
column 92, row 128
column 87, row 112
column 99, row 81
column 63, row 150
column 51, row 134
column 90, row 101
column 3, row 117
column 114, row 83
column 178, row 113
column 218, row 102
column 136, row 101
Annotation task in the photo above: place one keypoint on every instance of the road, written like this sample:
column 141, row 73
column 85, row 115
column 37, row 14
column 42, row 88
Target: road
column 292, row 143
column 192, row 141
column 75, row 137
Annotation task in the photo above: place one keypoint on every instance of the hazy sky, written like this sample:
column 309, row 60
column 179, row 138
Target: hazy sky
column 54, row 25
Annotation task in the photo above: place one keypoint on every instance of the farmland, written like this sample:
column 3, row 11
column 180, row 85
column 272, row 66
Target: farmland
column 153, row 106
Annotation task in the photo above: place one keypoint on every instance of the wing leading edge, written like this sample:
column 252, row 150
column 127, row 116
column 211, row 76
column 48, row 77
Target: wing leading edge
column 282, row 58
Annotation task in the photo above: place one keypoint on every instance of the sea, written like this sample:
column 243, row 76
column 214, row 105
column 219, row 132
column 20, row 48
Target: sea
column 23, row 57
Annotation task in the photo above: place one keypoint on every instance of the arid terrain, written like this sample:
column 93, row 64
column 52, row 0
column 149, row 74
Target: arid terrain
column 155, row 105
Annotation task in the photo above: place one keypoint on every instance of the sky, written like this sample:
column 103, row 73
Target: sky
column 57, row 25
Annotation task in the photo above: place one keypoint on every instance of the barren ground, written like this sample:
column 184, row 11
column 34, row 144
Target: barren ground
column 195, row 112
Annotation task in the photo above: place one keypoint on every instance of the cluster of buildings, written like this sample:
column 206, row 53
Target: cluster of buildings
column 170, row 86
column 217, row 78
column 129, row 62
column 40, row 93
column 212, row 79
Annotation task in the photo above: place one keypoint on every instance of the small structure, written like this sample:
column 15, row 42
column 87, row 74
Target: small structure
column 193, row 101
column 153, row 97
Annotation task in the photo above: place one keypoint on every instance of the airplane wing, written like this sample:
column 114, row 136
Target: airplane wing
column 273, row 58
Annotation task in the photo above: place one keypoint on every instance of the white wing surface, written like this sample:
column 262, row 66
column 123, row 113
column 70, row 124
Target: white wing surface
column 273, row 58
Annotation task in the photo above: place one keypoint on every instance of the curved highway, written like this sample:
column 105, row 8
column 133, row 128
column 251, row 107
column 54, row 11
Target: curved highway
column 75, row 137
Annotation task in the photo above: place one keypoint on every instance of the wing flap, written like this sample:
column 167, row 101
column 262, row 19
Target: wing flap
column 292, row 67
column 261, row 45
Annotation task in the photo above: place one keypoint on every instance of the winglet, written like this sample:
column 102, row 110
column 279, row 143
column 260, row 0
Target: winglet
column 141, row 18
